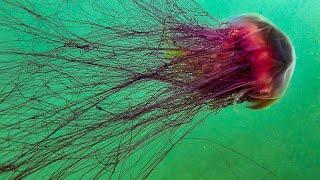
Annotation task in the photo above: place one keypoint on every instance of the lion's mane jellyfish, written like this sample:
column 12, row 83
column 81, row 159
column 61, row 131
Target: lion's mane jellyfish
column 107, row 88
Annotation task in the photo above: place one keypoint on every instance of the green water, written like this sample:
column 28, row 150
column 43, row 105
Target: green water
column 280, row 142
column 285, row 138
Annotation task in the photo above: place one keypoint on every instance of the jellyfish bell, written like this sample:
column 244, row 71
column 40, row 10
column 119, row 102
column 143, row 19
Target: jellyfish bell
column 248, row 59
column 271, row 54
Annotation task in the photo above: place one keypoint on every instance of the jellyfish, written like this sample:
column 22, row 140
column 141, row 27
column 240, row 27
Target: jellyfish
column 106, row 89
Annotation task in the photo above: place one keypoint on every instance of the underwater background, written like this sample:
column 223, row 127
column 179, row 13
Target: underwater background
column 284, row 138
column 280, row 142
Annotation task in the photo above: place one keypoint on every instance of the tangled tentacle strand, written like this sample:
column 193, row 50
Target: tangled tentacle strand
column 101, row 88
